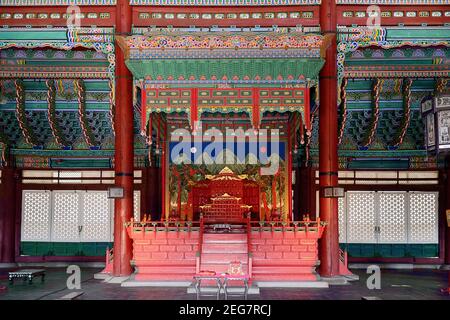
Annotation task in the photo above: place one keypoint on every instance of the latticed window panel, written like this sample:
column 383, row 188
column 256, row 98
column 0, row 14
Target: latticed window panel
column 96, row 217
column 423, row 219
column 36, row 217
column 392, row 217
column 66, row 216
column 342, row 221
column 361, row 217
column 137, row 205
column 70, row 174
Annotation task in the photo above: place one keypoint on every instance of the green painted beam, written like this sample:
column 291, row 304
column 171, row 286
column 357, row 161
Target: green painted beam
column 38, row 35
column 390, row 62
column 377, row 153
column 378, row 164
column 70, row 106
column 69, row 63
column 229, row 67
column 101, row 85
column 81, row 163
column 96, row 85
column 71, row 153
column 430, row 33
column 358, row 84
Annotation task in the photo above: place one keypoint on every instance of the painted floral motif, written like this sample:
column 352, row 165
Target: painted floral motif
column 225, row 41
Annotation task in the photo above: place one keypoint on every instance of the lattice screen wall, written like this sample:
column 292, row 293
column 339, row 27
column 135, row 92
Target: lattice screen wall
column 388, row 217
column 360, row 217
column 342, row 219
column 423, row 217
column 66, row 216
column 36, row 216
column 96, row 216
column 392, row 217
column 70, row 216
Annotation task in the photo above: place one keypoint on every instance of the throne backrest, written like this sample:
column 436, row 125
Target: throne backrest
column 224, row 208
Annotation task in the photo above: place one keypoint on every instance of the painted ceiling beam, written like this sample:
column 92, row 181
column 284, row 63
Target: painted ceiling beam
column 87, row 131
column 343, row 110
column 401, row 131
column 51, row 111
column 27, row 131
column 371, row 130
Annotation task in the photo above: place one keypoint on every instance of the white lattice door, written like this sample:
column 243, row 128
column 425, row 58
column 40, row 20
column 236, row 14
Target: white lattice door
column 96, row 221
column 389, row 217
column 36, row 215
column 66, row 216
column 361, row 217
column 66, row 225
column 342, row 216
column 391, row 226
column 423, row 217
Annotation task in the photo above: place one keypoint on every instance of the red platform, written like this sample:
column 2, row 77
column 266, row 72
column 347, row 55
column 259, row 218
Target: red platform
column 169, row 251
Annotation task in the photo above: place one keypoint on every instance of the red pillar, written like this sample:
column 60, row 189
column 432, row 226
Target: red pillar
column 7, row 215
column 328, row 160
column 124, row 154
column 447, row 207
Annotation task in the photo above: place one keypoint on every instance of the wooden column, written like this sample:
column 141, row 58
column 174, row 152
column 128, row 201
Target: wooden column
column 151, row 193
column 304, row 192
column 298, row 199
column 7, row 215
column 328, row 159
column 124, row 153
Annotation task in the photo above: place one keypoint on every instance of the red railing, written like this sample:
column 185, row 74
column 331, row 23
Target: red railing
column 170, row 225
column 305, row 225
column 173, row 225
column 200, row 245
column 249, row 246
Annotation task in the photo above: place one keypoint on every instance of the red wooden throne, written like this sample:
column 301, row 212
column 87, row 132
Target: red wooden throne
column 225, row 209
column 225, row 197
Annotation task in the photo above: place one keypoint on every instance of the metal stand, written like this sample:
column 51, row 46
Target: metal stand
column 236, row 278
column 197, row 285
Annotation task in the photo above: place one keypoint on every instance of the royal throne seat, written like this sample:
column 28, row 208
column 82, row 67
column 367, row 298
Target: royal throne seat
column 225, row 209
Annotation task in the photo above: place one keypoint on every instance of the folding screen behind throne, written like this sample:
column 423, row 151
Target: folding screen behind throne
column 224, row 196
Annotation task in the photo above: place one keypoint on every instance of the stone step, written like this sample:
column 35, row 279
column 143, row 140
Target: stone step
column 281, row 269
column 224, row 242
column 167, row 262
column 227, row 237
column 164, row 276
column 168, row 269
column 239, row 247
column 222, row 257
column 283, row 262
column 284, row 277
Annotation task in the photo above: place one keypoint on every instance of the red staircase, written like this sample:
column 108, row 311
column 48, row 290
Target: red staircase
column 219, row 249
